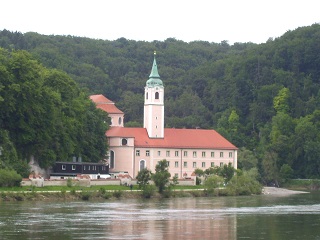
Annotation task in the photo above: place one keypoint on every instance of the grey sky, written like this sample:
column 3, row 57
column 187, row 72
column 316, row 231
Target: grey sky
column 148, row 20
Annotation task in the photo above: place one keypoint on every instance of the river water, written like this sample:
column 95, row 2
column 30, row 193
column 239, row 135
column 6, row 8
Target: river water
column 250, row 217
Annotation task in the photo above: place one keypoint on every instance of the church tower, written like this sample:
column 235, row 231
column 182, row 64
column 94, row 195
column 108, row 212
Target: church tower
column 153, row 119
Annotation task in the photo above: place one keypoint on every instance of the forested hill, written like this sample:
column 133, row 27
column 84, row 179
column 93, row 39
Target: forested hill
column 263, row 97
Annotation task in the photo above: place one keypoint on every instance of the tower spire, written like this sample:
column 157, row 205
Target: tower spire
column 154, row 71
column 154, row 78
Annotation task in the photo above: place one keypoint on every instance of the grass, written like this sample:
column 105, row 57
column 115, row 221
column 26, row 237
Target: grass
column 79, row 188
column 64, row 188
column 177, row 187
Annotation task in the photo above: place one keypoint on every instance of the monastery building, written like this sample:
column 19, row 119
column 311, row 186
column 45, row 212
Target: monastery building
column 133, row 149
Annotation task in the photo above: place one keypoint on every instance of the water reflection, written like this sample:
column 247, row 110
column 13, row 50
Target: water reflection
column 259, row 217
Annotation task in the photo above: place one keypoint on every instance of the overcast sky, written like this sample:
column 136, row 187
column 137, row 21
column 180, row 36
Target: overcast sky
column 148, row 20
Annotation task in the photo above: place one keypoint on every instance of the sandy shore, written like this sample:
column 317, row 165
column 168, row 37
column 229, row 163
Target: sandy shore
column 279, row 191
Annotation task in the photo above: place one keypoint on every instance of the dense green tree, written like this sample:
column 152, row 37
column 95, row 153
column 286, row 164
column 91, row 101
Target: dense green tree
column 161, row 176
column 247, row 159
column 271, row 171
column 281, row 101
column 286, row 173
column 9, row 178
column 143, row 177
column 45, row 115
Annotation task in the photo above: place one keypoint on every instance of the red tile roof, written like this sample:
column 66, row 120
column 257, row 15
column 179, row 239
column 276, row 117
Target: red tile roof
column 105, row 104
column 174, row 138
column 100, row 99
column 109, row 108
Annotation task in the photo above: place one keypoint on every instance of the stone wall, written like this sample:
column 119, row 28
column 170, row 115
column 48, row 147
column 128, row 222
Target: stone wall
column 39, row 182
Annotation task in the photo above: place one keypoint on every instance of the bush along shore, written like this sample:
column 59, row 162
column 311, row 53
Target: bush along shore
column 109, row 192
column 123, row 192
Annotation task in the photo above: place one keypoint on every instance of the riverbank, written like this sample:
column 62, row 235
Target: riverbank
column 102, row 194
column 93, row 195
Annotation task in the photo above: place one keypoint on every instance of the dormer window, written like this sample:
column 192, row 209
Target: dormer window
column 157, row 95
column 124, row 142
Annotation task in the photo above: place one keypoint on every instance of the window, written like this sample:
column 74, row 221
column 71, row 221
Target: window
column 124, row 141
column 203, row 164
column 157, row 95
column 185, row 154
column 230, row 154
column 147, row 153
column 194, row 154
column 168, row 153
column 185, row 164
column 221, row 164
column 84, row 167
column 176, row 164
column 176, row 153
column 89, row 168
column 146, row 95
column 137, row 152
column 142, row 164
column 212, row 154
column 212, row 164
column 221, row 154
column 63, row 167
column 203, row 154
column 112, row 160
column 159, row 153
column 73, row 167
column 120, row 120
column 168, row 163
column 194, row 164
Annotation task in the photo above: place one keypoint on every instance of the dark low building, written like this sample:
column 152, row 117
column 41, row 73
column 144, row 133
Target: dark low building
column 73, row 169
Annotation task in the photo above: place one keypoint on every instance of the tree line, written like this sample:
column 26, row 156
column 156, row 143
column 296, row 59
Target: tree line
column 44, row 115
column 264, row 98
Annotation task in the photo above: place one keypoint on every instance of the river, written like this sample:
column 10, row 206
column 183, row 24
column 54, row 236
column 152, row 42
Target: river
column 250, row 217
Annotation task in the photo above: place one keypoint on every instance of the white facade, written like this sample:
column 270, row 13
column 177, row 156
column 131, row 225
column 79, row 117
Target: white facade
column 154, row 111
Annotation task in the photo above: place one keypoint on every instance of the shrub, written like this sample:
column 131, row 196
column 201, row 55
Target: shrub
column 102, row 191
column 85, row 195
column 9, row 178
column 243, row 184
column 167, row 193
column 63, row 192
column 69, row 182
column 19, row 197
column 212, row 184
column 107, row 195
column 117, row 194
column 315, row 184
column 196, row 193
column 148, row 191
